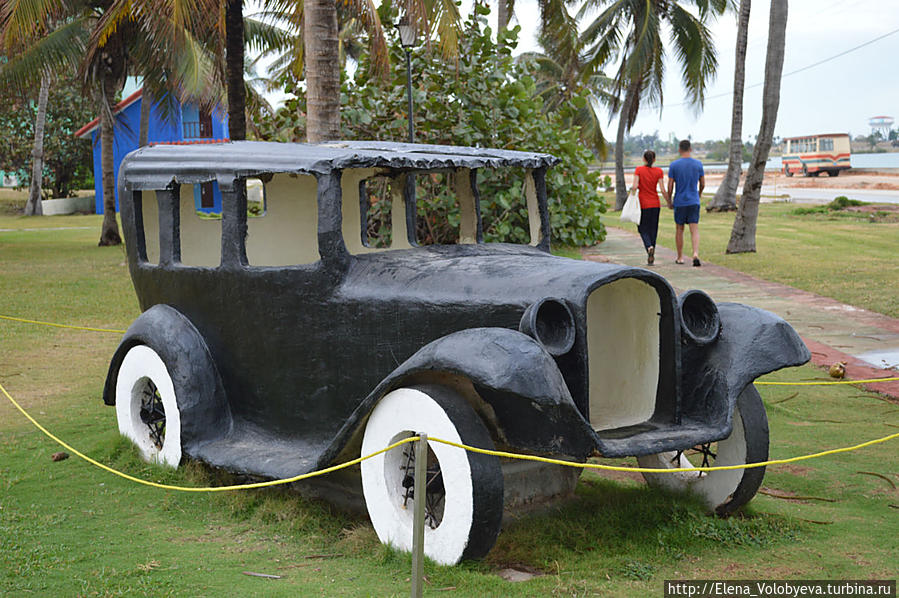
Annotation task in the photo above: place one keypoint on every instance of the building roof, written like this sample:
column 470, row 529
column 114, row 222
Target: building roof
column 158, row 166
column 89, row 127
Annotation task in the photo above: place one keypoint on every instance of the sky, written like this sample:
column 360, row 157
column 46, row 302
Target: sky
column 838, row 96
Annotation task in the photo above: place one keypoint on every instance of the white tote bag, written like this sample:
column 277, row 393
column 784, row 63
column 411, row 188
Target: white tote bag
column 631, row 210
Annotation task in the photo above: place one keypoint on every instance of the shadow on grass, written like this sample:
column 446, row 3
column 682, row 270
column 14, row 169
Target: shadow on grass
column 631, row 530
column 627, row 530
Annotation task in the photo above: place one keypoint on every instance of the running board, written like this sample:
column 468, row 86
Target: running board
column 649, row 438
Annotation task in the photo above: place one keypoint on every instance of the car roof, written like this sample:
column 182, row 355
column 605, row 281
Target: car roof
column 157, row 166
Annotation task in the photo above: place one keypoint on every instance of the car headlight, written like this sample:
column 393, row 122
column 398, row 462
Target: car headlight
column 550, row 323
column 699, row 317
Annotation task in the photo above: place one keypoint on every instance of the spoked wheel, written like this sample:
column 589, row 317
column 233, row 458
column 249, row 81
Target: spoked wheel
column 435, row 493
column 464, row 497
column 728, row 490
column 146, row 408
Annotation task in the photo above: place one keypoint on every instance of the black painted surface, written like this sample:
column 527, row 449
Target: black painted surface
column 304, row 352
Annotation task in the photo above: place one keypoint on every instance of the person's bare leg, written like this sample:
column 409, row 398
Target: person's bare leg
column 679, row 241
column 694, row 238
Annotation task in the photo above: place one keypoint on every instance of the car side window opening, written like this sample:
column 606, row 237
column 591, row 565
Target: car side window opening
column 509, row 205
column 372, row 210
column 148, row 227
column 383, row 213
column 282, row 220
column 201, row 232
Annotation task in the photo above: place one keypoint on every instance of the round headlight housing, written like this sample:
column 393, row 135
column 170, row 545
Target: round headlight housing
column 700, row 322
column 550, row 323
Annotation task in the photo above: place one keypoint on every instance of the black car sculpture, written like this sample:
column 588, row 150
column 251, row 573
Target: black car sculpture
column 277, row 344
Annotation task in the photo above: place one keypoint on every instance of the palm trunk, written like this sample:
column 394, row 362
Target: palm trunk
column 234, row 65
column 742, row 237
column 620, row 184
column 109, row 233
column 502, row 15
column 726, row 196
column 146, row 102
column 322, row 71
column 33, row 207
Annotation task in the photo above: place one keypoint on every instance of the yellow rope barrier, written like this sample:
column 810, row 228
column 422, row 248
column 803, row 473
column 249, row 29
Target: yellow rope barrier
column 191, row 488
column 824, row 383
column 25, row 321
column 442, row 441
column 844, row 449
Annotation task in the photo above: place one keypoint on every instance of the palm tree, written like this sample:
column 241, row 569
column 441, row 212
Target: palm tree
column 726, row 196
column 103, row 41
column 565, row 76
column 318, row 22
column 322, row 58
column 34, row 207
column 742, row 236
column 631, row 31
column 504, row 11
column 234, row 65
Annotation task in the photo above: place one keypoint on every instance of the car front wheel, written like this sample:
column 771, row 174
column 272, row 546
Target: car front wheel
column 464, row 498
column 728, row 490
column 146, row 406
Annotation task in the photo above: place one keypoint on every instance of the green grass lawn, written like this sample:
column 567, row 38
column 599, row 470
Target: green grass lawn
column 838, row 255
column 68, row 529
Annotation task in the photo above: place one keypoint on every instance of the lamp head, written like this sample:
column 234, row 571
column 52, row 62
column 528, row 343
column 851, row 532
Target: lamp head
column 408, row 37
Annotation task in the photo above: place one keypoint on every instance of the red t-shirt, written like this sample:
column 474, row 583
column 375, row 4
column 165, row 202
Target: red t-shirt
column 648, row 178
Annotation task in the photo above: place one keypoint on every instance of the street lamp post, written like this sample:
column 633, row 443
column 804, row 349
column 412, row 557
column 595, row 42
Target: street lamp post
column 408, row 41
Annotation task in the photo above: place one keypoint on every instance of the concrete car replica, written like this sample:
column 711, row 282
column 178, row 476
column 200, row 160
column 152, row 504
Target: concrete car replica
column 283, row 341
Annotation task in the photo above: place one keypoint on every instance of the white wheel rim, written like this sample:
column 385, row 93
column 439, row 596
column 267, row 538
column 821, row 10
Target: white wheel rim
column 399, row 414
column 715, row 487
column 142, row 364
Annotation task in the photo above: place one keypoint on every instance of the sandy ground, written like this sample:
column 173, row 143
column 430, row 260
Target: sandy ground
column 846, row 180
column 874, row 187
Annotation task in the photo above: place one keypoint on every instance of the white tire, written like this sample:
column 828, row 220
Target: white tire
column 143, row 383
column 467, row 520
column 723, row 491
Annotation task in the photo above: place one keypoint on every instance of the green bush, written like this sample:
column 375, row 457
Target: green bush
column 842, row 202
column 485, row 99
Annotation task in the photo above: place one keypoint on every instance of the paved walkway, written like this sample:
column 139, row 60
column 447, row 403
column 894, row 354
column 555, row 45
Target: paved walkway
column 832, row 330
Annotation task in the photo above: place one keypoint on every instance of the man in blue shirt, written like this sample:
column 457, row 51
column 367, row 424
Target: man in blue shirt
column 687, row 178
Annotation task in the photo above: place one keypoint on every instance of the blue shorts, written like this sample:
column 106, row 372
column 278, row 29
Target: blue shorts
column 686, row 214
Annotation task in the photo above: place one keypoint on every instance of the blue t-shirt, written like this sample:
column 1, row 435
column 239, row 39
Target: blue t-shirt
column 686, row 172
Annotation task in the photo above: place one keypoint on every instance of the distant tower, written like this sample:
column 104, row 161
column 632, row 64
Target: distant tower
column 881, row 124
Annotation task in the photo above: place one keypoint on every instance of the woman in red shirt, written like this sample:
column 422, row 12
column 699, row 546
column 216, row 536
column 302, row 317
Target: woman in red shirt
column 646, row 180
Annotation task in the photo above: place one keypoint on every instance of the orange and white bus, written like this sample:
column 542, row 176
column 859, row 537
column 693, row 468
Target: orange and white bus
column 815, row 154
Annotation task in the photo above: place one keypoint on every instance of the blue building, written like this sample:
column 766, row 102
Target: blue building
column 188, row 123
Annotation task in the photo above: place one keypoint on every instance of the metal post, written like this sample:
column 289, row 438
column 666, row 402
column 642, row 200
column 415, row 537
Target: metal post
column 418, row 516
column 409, row 94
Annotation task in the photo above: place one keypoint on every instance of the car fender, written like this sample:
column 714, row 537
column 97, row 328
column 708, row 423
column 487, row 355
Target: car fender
column 202, row 402
column 753, row 342
column 531, row 407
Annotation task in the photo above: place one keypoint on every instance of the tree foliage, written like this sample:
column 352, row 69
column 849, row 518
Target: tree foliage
column 485, row 99
column 67, row 160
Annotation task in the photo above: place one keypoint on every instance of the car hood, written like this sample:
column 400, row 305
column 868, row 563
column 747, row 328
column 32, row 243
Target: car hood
column 486, row 273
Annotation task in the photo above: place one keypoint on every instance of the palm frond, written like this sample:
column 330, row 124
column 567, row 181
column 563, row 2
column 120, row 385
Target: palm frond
column 24, row 20
column 60, row 50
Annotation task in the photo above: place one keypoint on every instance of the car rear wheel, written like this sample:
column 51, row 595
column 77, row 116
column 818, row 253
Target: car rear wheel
column 464, row 498
column 146, row 406
column 728, row 490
